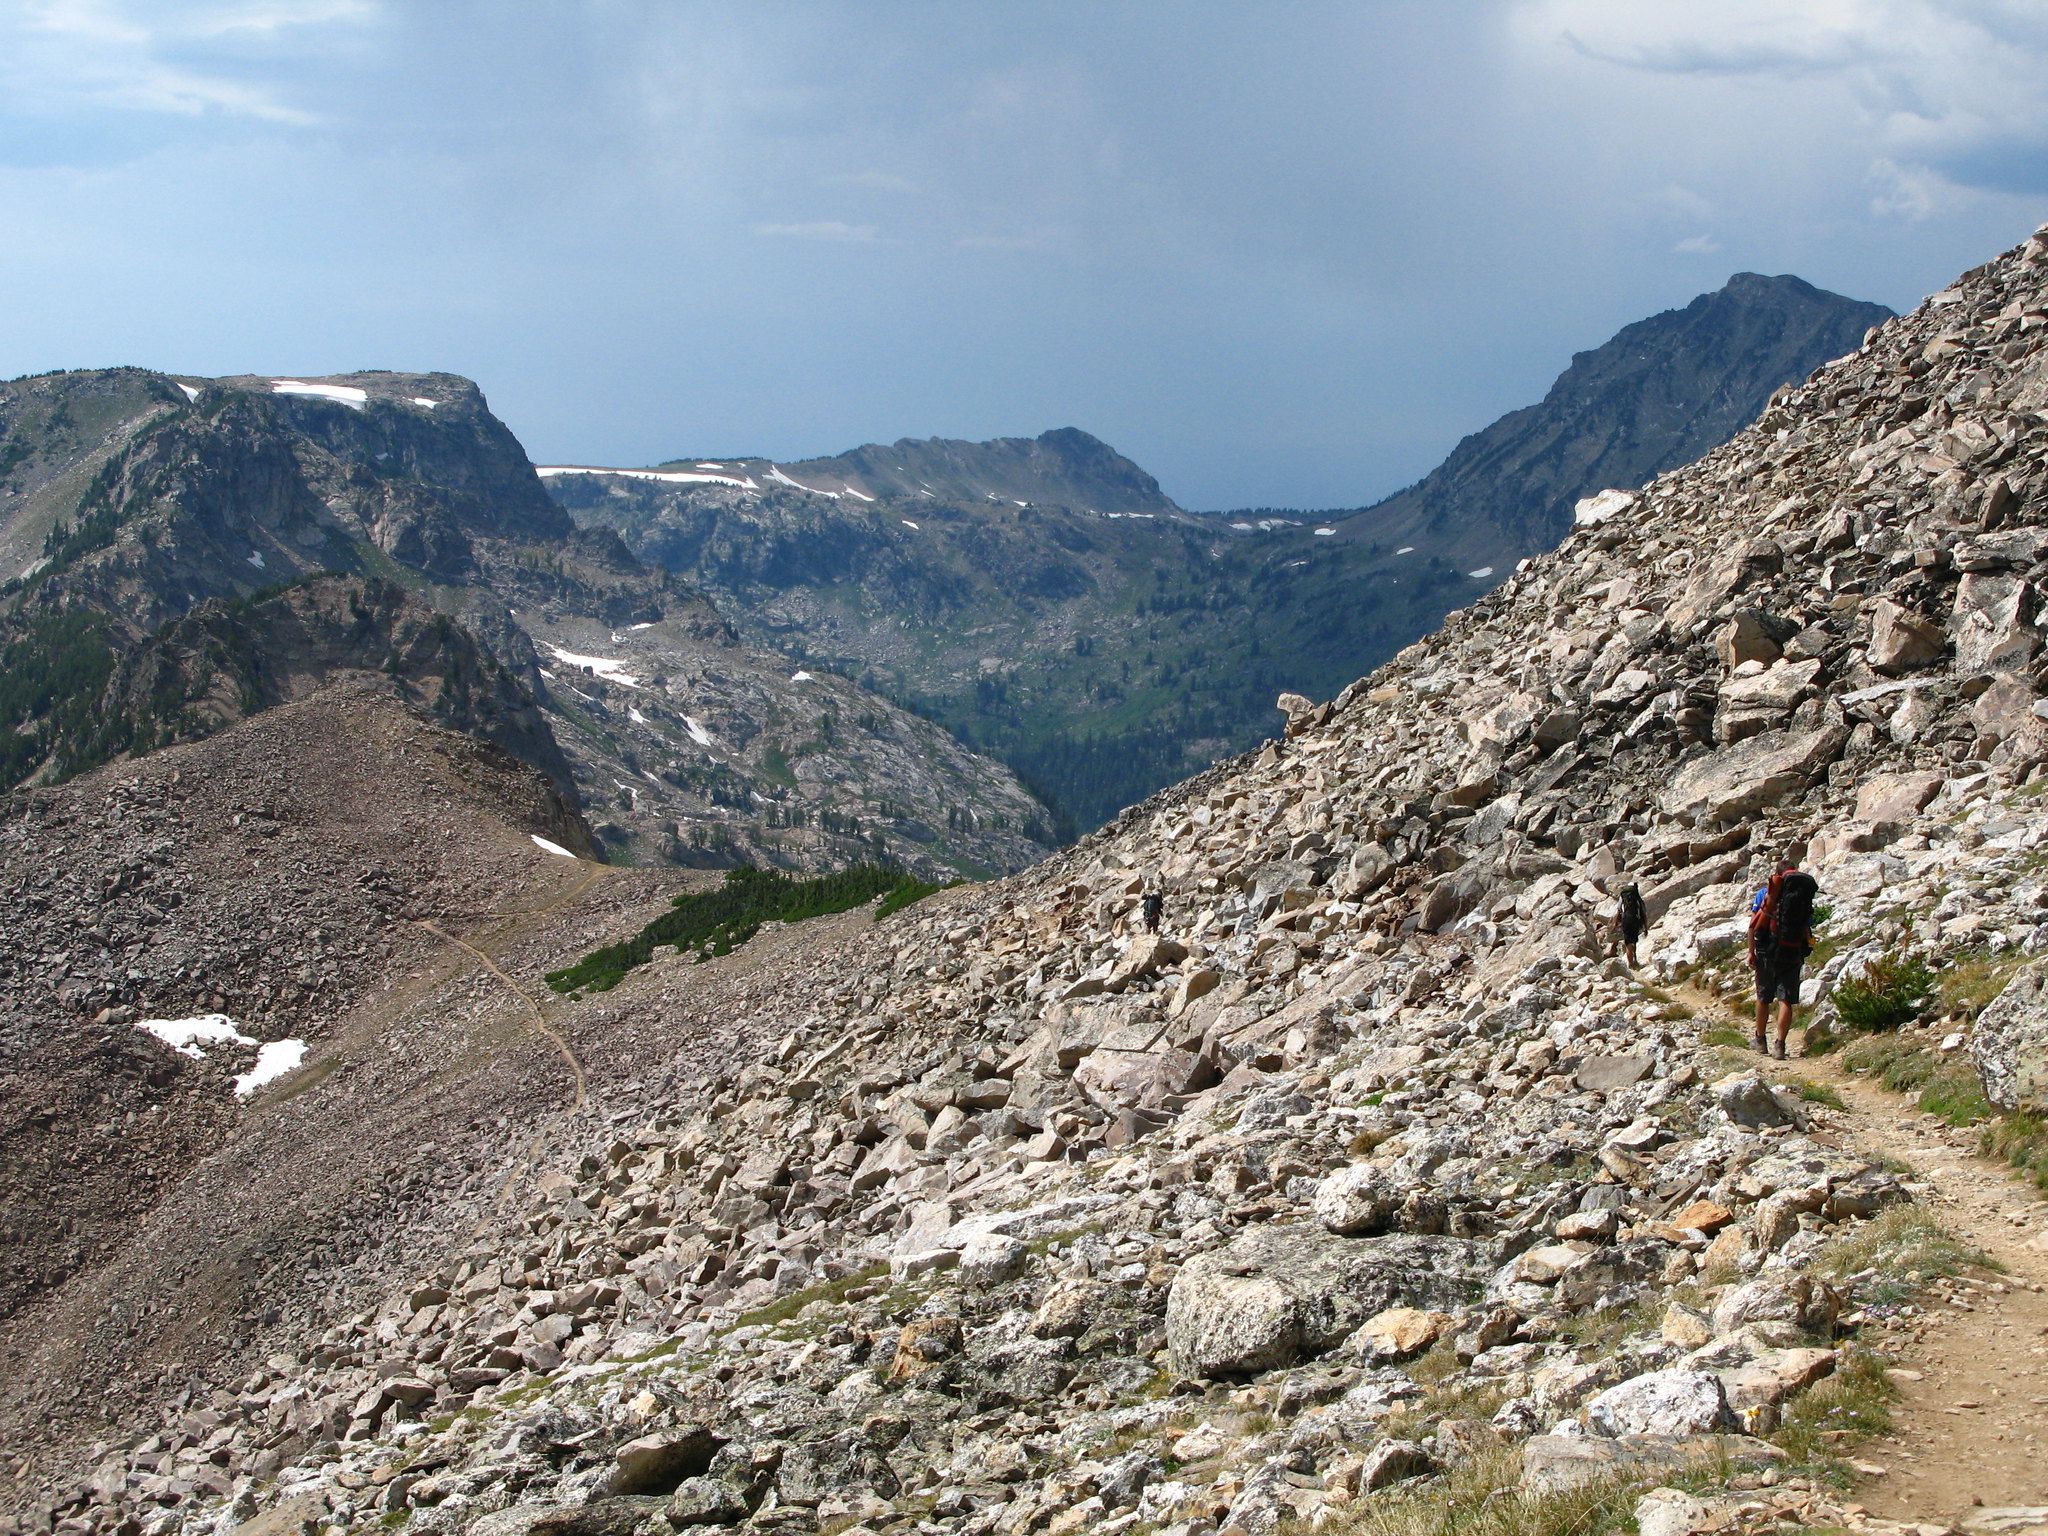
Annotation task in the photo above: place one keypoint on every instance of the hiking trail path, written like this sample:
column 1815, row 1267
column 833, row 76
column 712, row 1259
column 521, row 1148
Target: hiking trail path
column 1969, row 1429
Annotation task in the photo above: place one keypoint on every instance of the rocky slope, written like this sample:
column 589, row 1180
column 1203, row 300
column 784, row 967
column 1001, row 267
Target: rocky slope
column 164, row 509
column 1104, row 643
column 1369, row 1177
column 266, row 874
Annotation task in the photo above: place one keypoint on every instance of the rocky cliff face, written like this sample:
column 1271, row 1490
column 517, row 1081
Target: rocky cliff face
column 682, row 742
column 1659, row 393
column 1105, row 643
column 1370, row 1170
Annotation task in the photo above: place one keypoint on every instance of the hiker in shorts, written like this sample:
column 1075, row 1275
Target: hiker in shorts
column 1153, row 905
column 1631, row 919
column 1780, row 938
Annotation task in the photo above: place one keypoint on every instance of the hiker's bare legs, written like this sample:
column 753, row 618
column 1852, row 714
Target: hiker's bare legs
column 1784, row 1023
column 1763, row 1017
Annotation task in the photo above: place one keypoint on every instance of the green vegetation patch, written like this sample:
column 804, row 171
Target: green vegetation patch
column 51, row 676
column 1905, row 1247
column 1892, row 991
column 717, row 922
column 1851, row 1405
column 1941, row 1085
column 2022, row 1140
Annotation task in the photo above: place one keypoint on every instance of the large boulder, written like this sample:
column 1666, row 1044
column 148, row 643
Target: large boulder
column 1276, row 1295
column 1356, row 1200
column 1660, row 1403
column 1901, row 639
column 1741, row 780
column 2010, row 1043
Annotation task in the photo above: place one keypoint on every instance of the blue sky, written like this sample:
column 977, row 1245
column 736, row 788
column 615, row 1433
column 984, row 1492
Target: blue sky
column 1280, row 254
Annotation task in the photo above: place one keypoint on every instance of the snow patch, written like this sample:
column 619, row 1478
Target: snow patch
column 1405, row 549
column 34, row 566
column 1242, row 527
column 611, row 671
column 256, row 558
column 1326, row 533
column 188, row 1037
column 707, row 464
column 1481, row 574
column 547, row 847
column 863, row 495
column 775, row 474
column 663, row 476
column 697, row 732
column 190, row 392
column 341, row 394
column 802, row 677
column 635, row 716
column 636, row 628
column 906, row 522
column 274, row 1058
column 424, row 403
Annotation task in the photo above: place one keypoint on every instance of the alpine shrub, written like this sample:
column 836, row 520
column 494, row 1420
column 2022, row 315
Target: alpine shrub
column 1893, row 990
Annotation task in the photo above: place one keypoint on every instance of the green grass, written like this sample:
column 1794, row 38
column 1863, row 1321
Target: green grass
column 1971, row 980
column 1837, row 1413
column 716, row 922
column 1727, row 1037
column 1940, row 1085
column 785, row 1308
column 1815, row 1093
column 1907, row 1248
column 2021, row 1139
column 1483, row 1496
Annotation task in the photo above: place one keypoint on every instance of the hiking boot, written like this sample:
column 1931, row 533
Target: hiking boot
column 1757, row 1044
column 1778, row 1051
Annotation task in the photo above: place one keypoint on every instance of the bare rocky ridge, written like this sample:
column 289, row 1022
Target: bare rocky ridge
column 1370, row 1170
column 271, row 875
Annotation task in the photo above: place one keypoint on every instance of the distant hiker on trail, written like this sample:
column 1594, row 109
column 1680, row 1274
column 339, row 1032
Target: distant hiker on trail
column 1154, row 905
column 1631, row 921
column 1780, row 938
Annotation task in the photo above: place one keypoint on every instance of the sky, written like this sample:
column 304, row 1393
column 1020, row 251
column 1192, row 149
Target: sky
column 1280, row 254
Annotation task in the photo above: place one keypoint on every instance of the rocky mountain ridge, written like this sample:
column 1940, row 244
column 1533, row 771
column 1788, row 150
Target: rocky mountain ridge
column 1105, row 645
column 1371, row 1178
column 625, row 685
column 1657, row 394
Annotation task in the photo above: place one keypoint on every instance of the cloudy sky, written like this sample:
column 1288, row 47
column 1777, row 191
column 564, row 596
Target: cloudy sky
column 1280, row 253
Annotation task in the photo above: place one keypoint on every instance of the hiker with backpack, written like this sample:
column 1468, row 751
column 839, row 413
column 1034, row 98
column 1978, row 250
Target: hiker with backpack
column 1780, row 939
column 1153, row 905
column 1631, row 920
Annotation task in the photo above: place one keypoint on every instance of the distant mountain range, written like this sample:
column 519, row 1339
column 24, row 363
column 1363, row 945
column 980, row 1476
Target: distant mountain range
column 1044, row 599
column 186, row 552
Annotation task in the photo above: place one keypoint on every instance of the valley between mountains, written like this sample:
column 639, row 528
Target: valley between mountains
column 1372, row 1192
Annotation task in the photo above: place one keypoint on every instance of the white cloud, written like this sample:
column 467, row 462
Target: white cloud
column 821, row 229
column 1914, row 193
column 1955, row 92
column 1697, row 245
column 58, row 55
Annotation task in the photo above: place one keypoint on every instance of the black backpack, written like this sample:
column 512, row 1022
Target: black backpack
column 1792, row 922
column 1633, row 913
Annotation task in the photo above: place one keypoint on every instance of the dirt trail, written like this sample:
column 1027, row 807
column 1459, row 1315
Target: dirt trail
column 1971, row 1424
